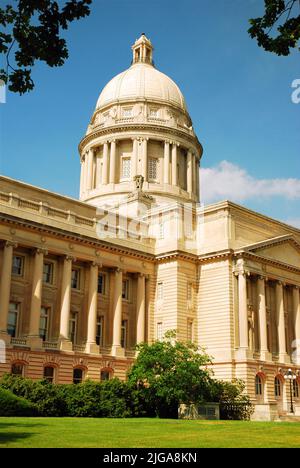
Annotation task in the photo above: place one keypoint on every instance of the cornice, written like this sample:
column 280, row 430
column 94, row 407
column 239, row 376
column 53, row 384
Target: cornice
column 266, row 261
column 138, row 127
column 82, row 239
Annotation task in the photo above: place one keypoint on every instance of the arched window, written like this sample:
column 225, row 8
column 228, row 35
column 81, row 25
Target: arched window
column 258, row 386
column 277, row 387
column 18, row 368
column 49, row 373
column 105, row 374
column 77, row 375
column 296, row 389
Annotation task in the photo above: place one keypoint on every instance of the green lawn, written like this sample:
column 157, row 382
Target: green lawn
column 132, row 433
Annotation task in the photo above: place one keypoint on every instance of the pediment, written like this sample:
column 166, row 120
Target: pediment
column 284, row 249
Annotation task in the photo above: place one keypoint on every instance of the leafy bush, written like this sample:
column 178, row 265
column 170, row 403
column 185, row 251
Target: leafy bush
column 44, row 395
column 94, row 399
column 234, row 403
column 12, row 405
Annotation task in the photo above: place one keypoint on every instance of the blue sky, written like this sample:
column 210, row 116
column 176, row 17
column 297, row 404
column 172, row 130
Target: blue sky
column 238, row 95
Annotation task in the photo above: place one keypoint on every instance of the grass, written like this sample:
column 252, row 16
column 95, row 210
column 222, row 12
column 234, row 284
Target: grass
column 149, row 433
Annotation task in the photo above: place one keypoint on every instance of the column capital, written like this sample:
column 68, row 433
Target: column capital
column 39, row 251
column 12, row 244
column 296, row 287
column 96, row 264
column 69, row 258
column 141, row 275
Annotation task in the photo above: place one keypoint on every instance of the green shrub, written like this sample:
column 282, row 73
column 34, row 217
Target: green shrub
column 94, row 399
column 12, row 405
column 234, row 403
column 44, row 395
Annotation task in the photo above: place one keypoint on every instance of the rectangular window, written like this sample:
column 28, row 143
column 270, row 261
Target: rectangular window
column 190, row 330
column 73, row 327
column 99, row 331
column 17, row 265
column 126, row 168
column 153, row 113
column 49, row 374
column 127, row 112
column 160, row 291
column 48, row 273
column 159, row 331
column 12, row 321
column 75, row 279
column 101, row 283
column 161, row 230
column 189, row 292
column 124, row 334
column 153, row 168
column 125, row 289
column 44, row 320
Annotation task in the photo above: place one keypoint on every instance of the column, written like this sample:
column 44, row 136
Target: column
column 194, row 183
column 91, row 346
column 166, row 162
column 296, row 307
column 134, row 157
column 99, row 175
column 5, row 286
column 174, row 164
column 140, row 332
column 105, row 164
column 112, row 162
column 65, row 342
column 262, row 318
column 117, row 315
column 82, row 175
column 90, row 164
column 86, row 163
column 189, row 172
column 243, row 314
column 34, row 339
column 283, row 357
column 197, row 190
column 144, row 158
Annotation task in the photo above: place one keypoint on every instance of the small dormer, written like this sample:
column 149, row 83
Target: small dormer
column 142, row 51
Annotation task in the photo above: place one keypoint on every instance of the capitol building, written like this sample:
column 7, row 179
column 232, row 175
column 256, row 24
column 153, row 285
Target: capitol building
column 83, row 281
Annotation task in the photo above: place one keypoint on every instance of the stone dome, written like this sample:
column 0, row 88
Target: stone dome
column 141, row 81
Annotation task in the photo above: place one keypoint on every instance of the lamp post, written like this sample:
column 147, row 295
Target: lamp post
column 290, row 376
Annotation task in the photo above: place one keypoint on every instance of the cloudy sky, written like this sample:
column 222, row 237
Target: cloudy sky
column 239, row 98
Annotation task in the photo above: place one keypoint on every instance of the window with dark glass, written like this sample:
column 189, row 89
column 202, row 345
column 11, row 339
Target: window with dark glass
column 12, row 320
column 48, row 273
column 277, row 386
column 101, row 284
column 73, row 327
column 49, row 373
column 124, row 334
column 17, row 369
column 17, row 265
column 105, row 375
column 258, row 385
column 77, row 376
column 75, row 279
column 295, row 389
column 125, row 289
column 99, row 331
column 44, row 318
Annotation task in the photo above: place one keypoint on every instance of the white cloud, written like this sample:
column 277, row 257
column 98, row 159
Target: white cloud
column 231, row 182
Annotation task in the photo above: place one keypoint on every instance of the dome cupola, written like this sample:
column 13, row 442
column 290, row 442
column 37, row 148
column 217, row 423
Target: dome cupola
column 140, row 127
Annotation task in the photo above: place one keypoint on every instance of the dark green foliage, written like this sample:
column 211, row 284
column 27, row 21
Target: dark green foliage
column 45, row 396
column 12, row 405
column 168, row 373
column 32, row 32
column 93, row 399
column 234, row 403
column 284, row 15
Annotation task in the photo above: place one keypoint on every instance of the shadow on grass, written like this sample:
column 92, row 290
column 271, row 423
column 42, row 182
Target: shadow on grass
column 7, row 437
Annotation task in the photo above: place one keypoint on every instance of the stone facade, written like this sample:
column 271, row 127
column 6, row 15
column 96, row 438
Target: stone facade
column 83, row 281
